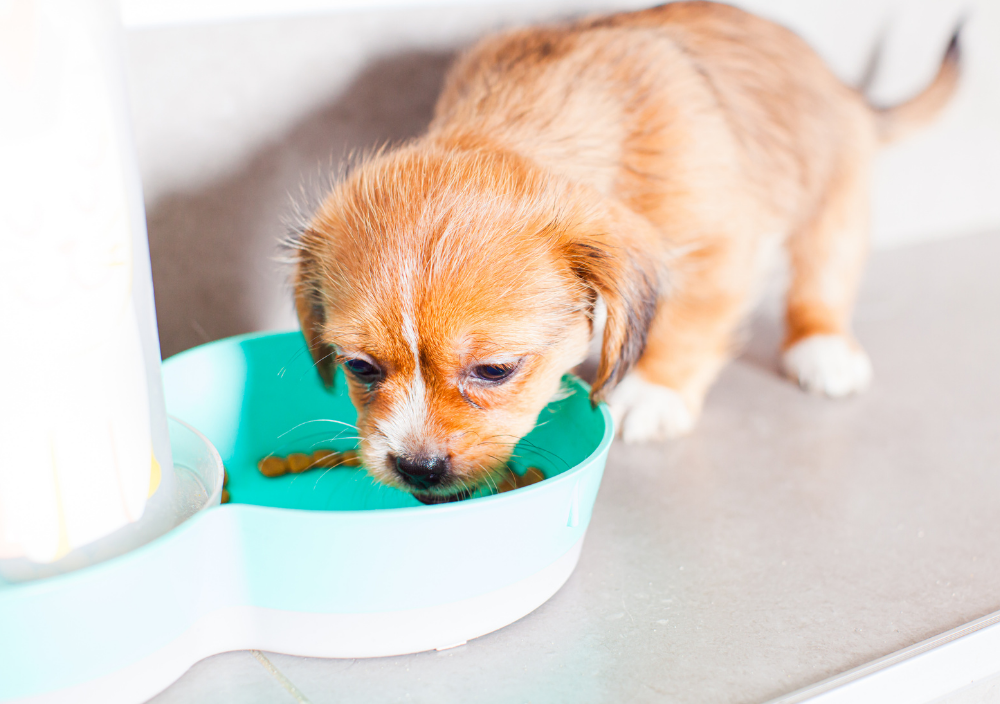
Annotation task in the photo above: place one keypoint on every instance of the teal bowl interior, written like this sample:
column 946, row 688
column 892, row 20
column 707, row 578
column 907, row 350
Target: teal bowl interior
column 259, row 395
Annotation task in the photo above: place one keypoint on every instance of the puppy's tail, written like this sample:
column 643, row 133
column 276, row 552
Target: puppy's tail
column 899, row 120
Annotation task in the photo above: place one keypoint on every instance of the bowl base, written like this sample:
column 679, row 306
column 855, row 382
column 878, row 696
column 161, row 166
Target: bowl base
column 323, row 635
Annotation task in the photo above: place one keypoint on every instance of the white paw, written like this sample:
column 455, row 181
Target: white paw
column 828, row 364
column 643, row 411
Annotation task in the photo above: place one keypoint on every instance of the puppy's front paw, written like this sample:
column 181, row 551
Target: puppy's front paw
column 828, row 364
column 644, row 411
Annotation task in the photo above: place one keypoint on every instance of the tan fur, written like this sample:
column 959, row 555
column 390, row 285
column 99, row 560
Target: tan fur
column 649, row 158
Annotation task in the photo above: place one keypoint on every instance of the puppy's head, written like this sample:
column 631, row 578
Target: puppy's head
column 456, row 289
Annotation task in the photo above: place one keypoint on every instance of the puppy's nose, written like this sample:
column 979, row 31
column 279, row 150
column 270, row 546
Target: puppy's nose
column 422, row 472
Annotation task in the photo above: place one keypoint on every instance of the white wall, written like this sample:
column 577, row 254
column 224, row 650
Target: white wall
column 236, row 103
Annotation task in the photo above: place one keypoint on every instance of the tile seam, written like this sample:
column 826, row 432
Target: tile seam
column 279, row 677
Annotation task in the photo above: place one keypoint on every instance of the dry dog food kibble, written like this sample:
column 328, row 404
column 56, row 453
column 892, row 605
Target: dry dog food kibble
column 350, row 458
column 325, row 458
column 298, row 462
column 505, row 485
column 225, row 496
column 532, row 475
column 272, row 466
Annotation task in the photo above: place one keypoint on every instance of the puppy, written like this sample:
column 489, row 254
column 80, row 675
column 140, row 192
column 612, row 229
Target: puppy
column 650, row 159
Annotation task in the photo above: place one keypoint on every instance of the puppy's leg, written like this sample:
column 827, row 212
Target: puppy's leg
column 827, row 258
column 688, row 343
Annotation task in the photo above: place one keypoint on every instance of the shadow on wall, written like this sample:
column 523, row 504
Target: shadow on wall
column 215, row 251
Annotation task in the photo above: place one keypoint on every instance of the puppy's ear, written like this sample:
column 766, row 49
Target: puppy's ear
column 312, row 316
column 629, row 285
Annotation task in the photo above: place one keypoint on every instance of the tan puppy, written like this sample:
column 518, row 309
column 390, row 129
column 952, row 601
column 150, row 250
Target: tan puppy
column 650, row 158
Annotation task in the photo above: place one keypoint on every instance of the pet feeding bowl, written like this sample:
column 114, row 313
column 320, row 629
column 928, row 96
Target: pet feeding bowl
column 324, row 563
column 102, row 633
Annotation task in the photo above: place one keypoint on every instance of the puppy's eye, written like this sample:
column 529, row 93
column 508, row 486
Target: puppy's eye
column 493, row 372
column 363, row 370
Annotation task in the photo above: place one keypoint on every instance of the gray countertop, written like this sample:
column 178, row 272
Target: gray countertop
column 788, row 539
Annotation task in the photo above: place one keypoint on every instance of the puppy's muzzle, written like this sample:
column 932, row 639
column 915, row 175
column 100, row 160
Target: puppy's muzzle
column 423, row 472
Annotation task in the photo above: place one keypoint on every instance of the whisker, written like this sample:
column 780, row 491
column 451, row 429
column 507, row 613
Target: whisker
column 492, row 485
column 320, row 477
column 546, row 452
column 502, row 465
column 318, row 420
column 296, row 355
column 531, row 446
column 281, row 448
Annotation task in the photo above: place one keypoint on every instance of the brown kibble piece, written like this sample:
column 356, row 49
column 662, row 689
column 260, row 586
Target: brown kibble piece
column 350, row 458
column 272, row 467
column 506, row 485
column 225, row 477
column 298, row 462
column 325, row 458
column 225, row 496
column 532, row 476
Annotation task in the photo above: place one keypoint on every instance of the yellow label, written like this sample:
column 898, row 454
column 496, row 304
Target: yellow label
column 154, row 476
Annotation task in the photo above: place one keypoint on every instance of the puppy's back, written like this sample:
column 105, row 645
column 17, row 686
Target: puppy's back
column 685, row 98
